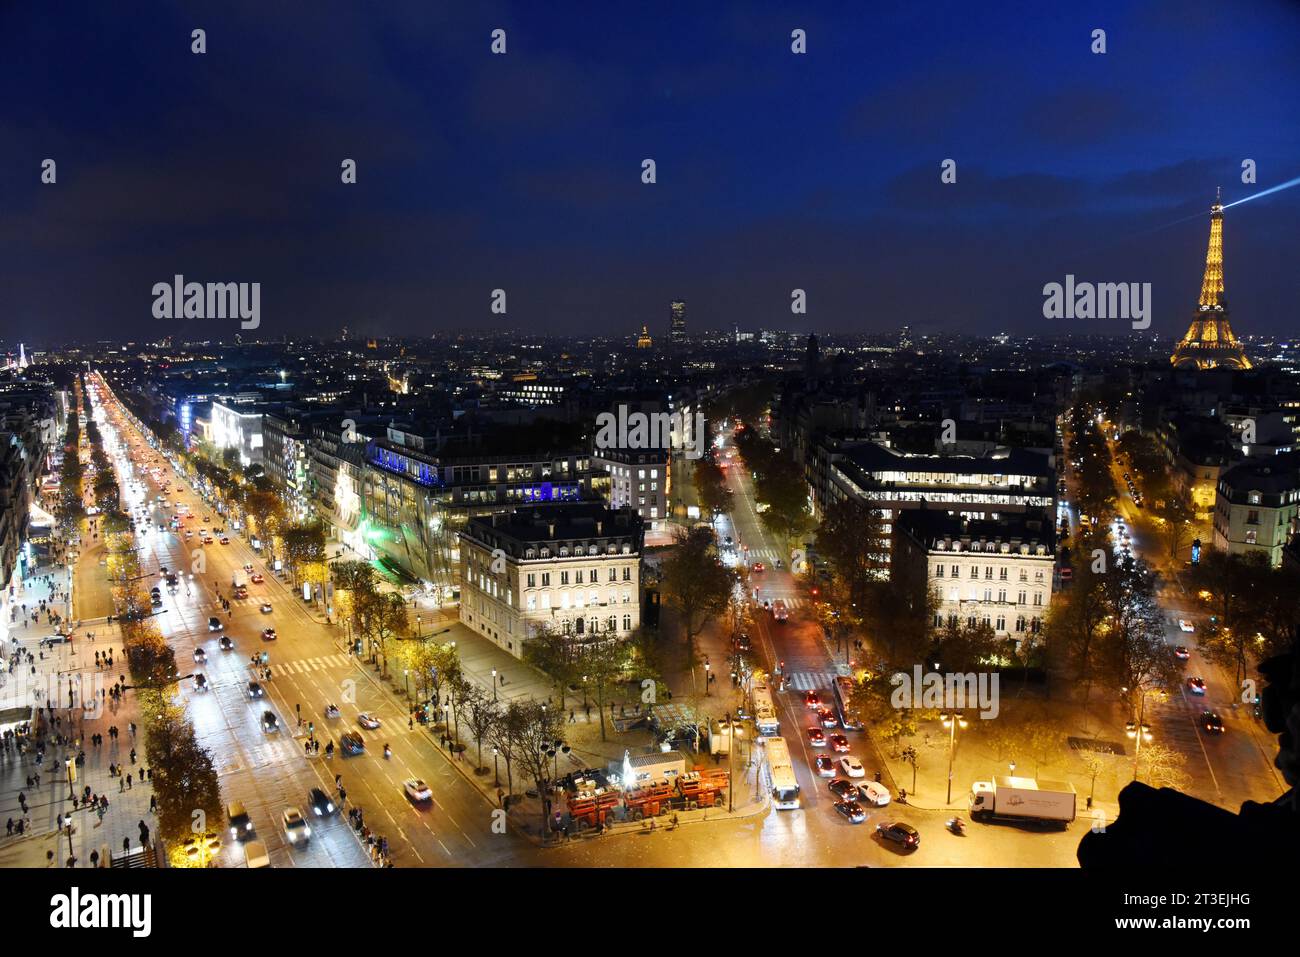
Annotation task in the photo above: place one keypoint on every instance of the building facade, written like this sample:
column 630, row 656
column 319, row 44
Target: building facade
column 569, row 569
column 1257, row 505
column 998, row 573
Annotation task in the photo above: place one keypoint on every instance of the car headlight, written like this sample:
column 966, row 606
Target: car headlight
column 234, row 832
column 306, row 832
column 329, row 807
column 248, row 826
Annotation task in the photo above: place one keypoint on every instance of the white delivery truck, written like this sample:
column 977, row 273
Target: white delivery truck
column 1023, row 799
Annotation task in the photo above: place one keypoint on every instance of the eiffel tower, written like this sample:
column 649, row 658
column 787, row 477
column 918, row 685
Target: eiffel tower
column 1209, row 342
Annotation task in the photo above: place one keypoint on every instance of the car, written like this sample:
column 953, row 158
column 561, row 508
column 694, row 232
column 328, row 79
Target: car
column 1182, row 652
column 256, row 578
column 827, row 718
column 368, row 720
column 207, row 539
column 270, row 723
column 817, row 737
column 268, row 634
column 162, row 569
column 743, row 643
column 1196, row 686
column 200, row 656
column 839, row 743
column 825, row 766
column 237, row 819
column 331, row 711
column 200, row 683
column 851, row 810
column 248, row 566
column 255, row 690
column 225, row 643
column 266, row 608
column 1185, row 625
column 417, row 790
column 759, row 566
column 296, row 827
column 874, row 793
column 155, row 590
column 812, row 699
column 224, row 540
column 852, row 767
column 843, row 789
column 352, row 743
column 900, row 833
column 1211, row 722
column 156, row 601
column 319, row 802
column 255, row 855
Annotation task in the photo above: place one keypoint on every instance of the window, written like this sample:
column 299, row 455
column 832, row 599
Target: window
column 1002, row 623
column 938, row 571
column 1252, row 517
column 613, row 573
column 1020, row 599
column 531, row 603
column 1002, row 573
column 974, row 571
column 954, row 571
column 627, row 622
column 1252, row 536
column 1002, row 596
column 1038, row 577
column 988, row 572
column 532, row 580
column 627, row 573
column 564, row 578
column 1038, row 599
column 546, row 579
column 1020, row 623
column 1024, row 574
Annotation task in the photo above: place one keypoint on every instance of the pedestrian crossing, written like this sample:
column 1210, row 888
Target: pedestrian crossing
column 306, row 665
column 809, row 680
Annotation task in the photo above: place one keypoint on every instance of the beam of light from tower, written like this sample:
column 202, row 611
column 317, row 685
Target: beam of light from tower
column 1281, row 186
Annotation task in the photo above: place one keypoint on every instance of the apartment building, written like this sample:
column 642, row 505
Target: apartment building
column 571, row 569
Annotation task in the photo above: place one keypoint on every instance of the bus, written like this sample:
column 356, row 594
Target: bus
column 765, row 719
column 843, row 688
column 785, row 788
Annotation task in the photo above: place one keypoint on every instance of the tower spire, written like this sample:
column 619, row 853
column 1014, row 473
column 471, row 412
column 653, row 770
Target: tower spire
column 1209, row 341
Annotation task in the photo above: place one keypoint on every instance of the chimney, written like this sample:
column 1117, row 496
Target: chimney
column 600, row 527
column 550, row 529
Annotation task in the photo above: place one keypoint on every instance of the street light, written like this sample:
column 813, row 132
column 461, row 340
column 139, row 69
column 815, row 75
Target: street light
column 494, row 686
column 950, row 721
column 496, row 766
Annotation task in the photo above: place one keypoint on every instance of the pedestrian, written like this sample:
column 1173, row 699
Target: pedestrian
column 121, row 785
column 10, row 827
column 94, row 858
column 133, row 755
column 572, row 717
column 126, row 845
column 153, row 804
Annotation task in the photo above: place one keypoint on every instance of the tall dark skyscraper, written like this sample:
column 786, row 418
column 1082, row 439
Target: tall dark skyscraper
column 677, row 321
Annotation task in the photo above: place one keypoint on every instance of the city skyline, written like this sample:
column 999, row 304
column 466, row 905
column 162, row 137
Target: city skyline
column 522, row 171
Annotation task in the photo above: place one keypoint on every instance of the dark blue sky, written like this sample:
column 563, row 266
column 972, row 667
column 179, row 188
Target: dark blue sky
column 522, row 171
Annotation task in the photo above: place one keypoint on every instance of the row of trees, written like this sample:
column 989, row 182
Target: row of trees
column 524, row 734
column 778, row 483
column 184, row 775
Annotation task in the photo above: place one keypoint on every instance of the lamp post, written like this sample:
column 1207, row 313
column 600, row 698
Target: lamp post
column 419, row 624
column 496, row 766
column 407, row 673
column 950, row 721
column 706, row 678
column 494, row 686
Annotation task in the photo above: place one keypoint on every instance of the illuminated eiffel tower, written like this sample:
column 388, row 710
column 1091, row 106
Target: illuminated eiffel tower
column 1209, row 342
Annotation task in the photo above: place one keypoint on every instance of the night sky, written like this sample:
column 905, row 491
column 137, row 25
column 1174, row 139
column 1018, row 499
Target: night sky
column 523, row 171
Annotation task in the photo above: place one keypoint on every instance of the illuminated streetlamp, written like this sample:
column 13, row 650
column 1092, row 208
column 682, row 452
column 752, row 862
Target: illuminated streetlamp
column 950, row 721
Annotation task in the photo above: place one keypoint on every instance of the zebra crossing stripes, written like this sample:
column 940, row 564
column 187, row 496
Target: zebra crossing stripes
column 305, row 665
column 809, row 680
